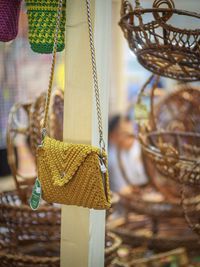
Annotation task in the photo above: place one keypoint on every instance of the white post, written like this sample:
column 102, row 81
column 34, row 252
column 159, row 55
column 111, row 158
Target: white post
column 83, row 230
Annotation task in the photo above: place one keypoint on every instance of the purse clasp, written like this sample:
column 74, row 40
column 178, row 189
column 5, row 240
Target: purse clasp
column 102, row 165
column 44, row 133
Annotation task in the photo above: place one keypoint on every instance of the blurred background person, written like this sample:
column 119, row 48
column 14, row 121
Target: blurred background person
column 124, row 161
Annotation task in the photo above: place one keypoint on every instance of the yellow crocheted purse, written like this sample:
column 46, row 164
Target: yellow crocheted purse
column 72, row 174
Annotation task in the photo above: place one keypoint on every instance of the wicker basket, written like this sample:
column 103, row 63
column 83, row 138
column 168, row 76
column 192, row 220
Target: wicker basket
column 13, row 260
column 175, row 154
column 165, row 235
column 179, row 110
column 155, row 206
column 119, row 224
column 161, row 47
column 26, row 235
column 176, row 111
column 15, row 127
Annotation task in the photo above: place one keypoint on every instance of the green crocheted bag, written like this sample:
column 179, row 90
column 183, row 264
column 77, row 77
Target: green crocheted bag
column 42, row 15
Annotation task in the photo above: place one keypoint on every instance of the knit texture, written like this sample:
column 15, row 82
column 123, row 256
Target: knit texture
column 70, row 174
column 42, row 17
column 9, row 17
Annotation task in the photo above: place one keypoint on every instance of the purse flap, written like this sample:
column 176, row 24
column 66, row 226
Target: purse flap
column 64, row 159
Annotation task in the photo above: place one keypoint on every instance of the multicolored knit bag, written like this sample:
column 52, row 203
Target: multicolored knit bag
column 42, row 18
column 9, row 17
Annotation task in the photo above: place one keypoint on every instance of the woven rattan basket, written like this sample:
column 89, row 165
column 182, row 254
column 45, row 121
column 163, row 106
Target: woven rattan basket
column 179, row 110
column 161, row 46
column 16, row 128
column 149, row 202
column 168, row 233
column 175, row 154
column 26, row 236
column 175, row 111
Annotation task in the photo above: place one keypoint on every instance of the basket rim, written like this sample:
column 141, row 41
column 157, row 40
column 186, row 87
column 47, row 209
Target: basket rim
column 159, row 22
column 153, row 149
column 161, row 238
column 25, row 207
column 190, row 134
column 150, row 203
column 54, row 259
column 166, row 209
column 25, row 258
column 157, row 153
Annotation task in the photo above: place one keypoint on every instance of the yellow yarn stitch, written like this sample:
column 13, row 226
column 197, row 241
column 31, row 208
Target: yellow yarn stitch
column 70, row 174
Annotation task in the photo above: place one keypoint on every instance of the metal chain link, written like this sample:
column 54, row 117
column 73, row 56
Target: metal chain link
column 95, row 79
column 53, row 61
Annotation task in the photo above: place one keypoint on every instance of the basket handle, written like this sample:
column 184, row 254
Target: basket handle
column 137, row 4
column 11, row 151
column 141, row 94
column 126, row 7
column 157, row 4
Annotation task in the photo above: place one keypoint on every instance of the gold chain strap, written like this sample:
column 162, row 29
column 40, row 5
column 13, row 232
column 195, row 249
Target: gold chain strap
column 59, row 15
column 94, row 71
column 95, row 79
